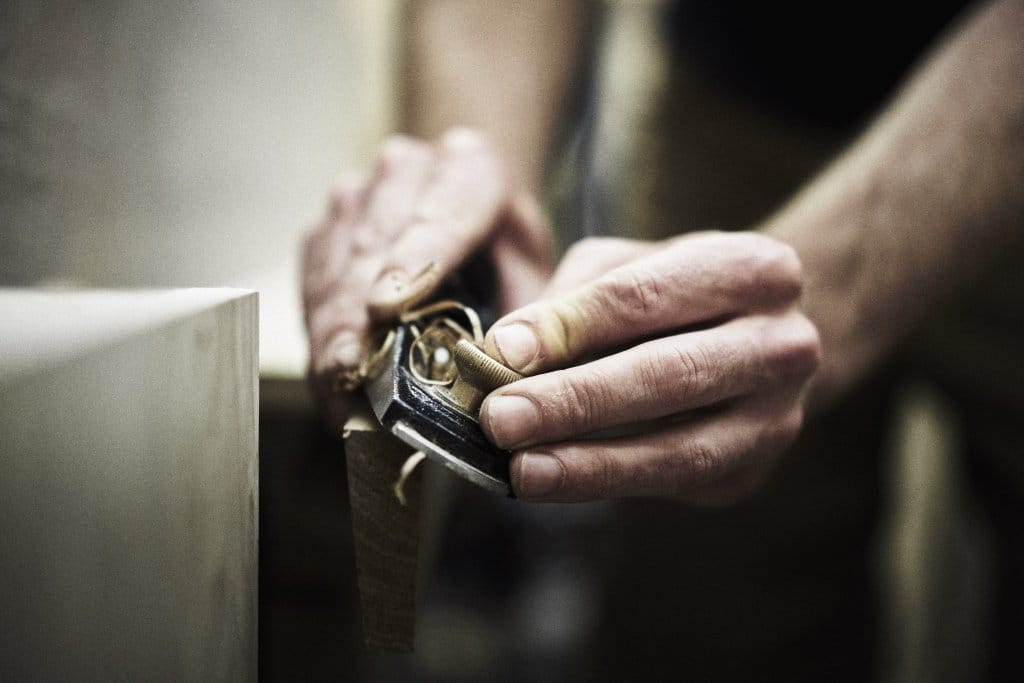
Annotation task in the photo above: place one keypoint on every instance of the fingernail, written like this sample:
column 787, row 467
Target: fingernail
column 395, row 292
column 517, row 345
column 539, row 475
column 389, row 286
column 511, row 419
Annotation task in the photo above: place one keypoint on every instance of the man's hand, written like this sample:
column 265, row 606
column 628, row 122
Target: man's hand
column 696, row 346
column 388, row 241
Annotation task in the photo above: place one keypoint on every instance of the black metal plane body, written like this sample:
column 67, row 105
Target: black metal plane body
column 416, row 414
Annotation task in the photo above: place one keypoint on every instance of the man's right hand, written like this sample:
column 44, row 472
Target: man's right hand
column 388, row 240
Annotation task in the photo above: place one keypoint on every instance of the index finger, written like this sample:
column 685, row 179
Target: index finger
column 694, row 280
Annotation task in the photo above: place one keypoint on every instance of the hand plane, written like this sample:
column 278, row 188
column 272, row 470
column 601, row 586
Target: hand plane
column 426, row 385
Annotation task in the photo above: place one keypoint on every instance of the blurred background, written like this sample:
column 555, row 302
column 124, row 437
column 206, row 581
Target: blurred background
column 192, row 143
column 185, row 143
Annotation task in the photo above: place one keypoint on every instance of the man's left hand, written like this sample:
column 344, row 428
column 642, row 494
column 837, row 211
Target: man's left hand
column 655, row 369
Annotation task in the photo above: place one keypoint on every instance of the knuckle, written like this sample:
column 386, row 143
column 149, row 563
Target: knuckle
column 365, row 240
column 633, row 289
column 317, row 290
column 648, row 376
column 343, row 194
column 691, row 368
column 590, row 473
column 700, row 463
column 777, row 270
column 465, row 139
column 599, row 475
column 580, row 250
column 809, row 346
column 762, row 270
column 468, row 157
column 582, row 405
column 668, row 375
column 399, row 150
column 333, row 316
column 323, row 322
column 797, row 347
column 591, row 399
column 591, row 247
column 339, row 200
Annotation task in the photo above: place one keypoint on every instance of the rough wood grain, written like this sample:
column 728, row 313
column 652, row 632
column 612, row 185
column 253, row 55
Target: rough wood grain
column 386, row 534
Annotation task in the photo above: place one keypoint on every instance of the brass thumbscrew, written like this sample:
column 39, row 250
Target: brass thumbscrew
column 479, row 375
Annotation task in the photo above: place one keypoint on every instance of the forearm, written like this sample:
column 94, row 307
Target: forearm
column 502, row 67
column 918, row 207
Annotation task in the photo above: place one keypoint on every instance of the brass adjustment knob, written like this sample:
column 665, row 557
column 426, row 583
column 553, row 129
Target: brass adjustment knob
column 479, row 375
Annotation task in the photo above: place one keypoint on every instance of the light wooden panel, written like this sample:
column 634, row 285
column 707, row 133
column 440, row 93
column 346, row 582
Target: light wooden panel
column 128, row 485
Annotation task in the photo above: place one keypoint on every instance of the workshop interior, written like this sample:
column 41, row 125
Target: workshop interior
column 178, row 503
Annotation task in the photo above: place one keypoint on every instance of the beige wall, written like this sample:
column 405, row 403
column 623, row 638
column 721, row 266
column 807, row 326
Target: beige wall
column 182, row 143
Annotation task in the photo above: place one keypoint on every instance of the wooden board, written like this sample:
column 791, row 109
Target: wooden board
column 386, row 532
column 128, row 485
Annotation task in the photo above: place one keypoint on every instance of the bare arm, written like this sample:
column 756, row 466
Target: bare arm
column 434, row 197
column 902, row 221
column 920, row 205
column 502, row 67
